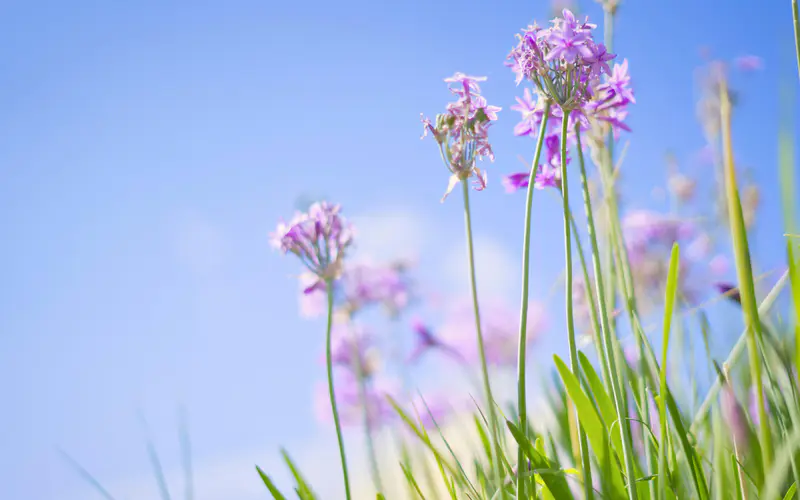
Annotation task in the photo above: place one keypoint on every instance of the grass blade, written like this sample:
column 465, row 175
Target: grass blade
column 669, row 304
column 86, row 475
column 276, row 494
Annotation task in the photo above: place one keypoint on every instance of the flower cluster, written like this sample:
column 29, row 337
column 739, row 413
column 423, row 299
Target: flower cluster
column 567, row 68
column 463, row 131
column 649, row 237
column 371, row 408
column 320, row 238
column 360, row 286
column 563, row 61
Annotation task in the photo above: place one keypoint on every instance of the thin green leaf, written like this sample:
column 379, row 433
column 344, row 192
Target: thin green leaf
column 556, row 484
column 589, row 419
column 86, row 475
column 276, row 494
column 790, row 492
column 303, row 488
column 671, row 293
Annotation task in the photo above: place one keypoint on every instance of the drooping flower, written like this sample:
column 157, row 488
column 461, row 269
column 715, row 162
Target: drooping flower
column 319, row 237
column 312, row 298
column 462, row 132
column 547, row 175
column 500, row 329
column 425, row 341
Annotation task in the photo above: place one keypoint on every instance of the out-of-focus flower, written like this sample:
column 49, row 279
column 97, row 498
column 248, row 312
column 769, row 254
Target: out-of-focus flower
column 748, row 63
column 547, row 175
column 431, row 410
column 425, row 340
column 682, row 187
column 379, row 411
column 730, row 291
column 500, row 328
column 718, row 265
column 364, row 284
column 312, row 300
column 319, row 237
column 735, row 417
column 462, row 132
column 649, row 237
column 352, row 346
column 751, row 199
column 582, row 302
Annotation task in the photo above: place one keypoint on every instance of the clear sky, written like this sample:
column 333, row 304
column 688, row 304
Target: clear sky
column 148, row 148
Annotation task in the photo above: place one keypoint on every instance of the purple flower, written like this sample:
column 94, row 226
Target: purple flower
column 598, row 60
column 749, row 63
column 319, row 238
column 567, row 40
column 500, row 330
column 547, row 175
column 734, row 416
column 312, row 300
column 618, row 84
column 718, row 265
column 462, row 132
column 516, row 181
column 350, row 346
column 425, row 341
column 531, row 115
column 431, row 410
column 729, row 291
column 365, row 284
column 649, row 237
column 349, row 401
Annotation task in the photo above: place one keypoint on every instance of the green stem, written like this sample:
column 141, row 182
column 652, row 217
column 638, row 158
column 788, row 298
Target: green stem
column 481, row 350
column 796, row 19
column 608, row 342
column 744, row 273
column 523, row 321
column 586, row 464
column 331, row 391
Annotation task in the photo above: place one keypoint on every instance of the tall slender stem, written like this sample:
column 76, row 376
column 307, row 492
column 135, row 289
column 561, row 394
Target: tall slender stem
column 331, row 391
column 586, row 464
column 362, row 396
column 481, row 350
column 608, row 342
column 744, row 272
column 523, row 315
column 796, row 19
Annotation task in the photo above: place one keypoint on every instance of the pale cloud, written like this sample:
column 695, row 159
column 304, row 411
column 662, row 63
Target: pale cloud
column 389, row 234
column 496, row 267
column 197, row 243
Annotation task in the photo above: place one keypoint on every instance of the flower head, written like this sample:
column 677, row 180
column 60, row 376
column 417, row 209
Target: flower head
column 319, row 237
column 462, row 132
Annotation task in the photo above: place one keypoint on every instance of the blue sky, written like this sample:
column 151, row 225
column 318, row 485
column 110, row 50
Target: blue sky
column 147, row 149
